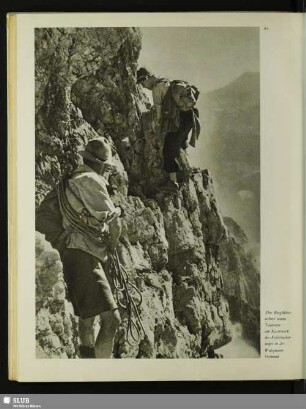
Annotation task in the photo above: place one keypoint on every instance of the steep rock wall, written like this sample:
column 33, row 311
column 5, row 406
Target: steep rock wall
column 170, row 245
column 241, row 276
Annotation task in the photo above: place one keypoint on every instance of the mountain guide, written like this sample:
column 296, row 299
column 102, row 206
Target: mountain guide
column 90, row 228
column 175, row 116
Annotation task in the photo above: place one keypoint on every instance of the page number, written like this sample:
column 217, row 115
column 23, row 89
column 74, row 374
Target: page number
column 266, row 28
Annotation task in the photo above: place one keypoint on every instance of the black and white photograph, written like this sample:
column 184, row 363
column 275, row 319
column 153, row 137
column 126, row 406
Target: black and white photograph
column 147, row 192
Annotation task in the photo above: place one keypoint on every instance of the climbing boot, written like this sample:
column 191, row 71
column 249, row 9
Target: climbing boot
column 174, row 186
column 86, row 351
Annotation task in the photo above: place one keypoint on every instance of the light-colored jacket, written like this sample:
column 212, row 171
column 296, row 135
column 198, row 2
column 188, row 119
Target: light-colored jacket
column 170, row 112
column 88, row 190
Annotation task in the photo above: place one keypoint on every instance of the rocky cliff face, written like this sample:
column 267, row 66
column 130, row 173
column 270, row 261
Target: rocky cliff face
column 241, row 276
column 170, row 245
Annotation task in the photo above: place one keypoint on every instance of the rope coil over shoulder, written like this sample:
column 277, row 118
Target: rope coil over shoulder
column 122, row 284
column 75, row 219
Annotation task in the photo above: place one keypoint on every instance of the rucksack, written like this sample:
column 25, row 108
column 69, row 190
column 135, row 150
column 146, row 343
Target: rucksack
column 49, row 219
column 184, row 94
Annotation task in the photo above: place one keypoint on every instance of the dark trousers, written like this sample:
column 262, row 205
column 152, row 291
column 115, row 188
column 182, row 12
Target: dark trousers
column 174, row 141
column 88, row 287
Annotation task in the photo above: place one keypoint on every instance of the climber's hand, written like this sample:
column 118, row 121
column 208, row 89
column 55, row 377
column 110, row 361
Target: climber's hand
column 156, row 128
column 114, row 233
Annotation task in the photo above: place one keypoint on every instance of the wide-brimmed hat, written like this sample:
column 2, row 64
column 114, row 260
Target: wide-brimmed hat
column 143, row 74
column 98, row 150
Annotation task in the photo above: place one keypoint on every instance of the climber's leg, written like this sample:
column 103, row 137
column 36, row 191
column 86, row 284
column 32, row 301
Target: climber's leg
column 170, row 152
column 87, row 337
column 110, row 321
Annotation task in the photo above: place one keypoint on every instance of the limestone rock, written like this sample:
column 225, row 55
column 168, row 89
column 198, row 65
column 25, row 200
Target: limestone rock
column 55, row 323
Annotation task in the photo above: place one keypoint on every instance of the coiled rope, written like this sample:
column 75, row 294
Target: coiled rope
column 75, row 219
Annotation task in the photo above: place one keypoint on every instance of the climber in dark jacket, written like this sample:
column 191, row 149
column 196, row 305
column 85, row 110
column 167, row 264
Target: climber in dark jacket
column 175, row 117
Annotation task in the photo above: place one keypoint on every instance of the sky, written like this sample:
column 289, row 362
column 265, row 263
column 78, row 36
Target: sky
column 208, row 57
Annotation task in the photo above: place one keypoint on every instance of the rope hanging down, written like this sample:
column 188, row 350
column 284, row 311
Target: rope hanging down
column 123, row 289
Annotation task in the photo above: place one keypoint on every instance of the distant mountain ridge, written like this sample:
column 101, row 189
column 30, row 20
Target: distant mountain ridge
column 248, row 83
column 230, row 148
